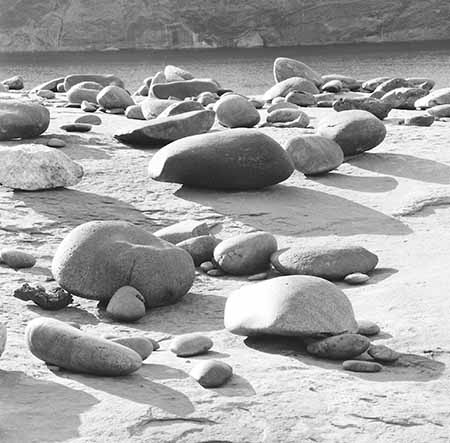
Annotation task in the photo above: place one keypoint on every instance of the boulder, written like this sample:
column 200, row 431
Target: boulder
column 403, row 98
column 159, row 77
column 392, row 83
column 347, row 82
column 162, row 131
column 282, row 105
column 152, row 107
column 376, row 107
column 141, row 345
column 32, row 167
column 17, row 259
column 245, row 254
column 372, row 84
column 187, row 345
column 339, row 347
column 383, row 353
column 437, row 97
column 283, row 115
column 236, row 159
column 134, row 112
column 22, row 119
column 84, row 91
column 127, row 304
column 112, row 97
column 424, row 119
column 200, row 248
column 284, row 68
column 326, row 261
column 440, row 111
column 354, row 131
column 293, row 84
column 14, row 83
column 332, row 86
column 183, row 230
column 51, row 85
column 104, row 80
column 174, row 73
column 292, row 306
column 183, row 89
column 421, row 82
column 235, row 111
column 97, row 258
column 211, row 373
column 89, row 119
column 3, row 337
column 180, row 108
column 313, row 154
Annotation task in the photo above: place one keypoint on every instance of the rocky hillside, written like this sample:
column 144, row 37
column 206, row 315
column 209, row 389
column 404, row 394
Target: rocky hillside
column 41, row 25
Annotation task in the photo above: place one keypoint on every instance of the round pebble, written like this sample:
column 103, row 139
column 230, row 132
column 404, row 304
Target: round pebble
column 207, row 266
column 56, row 143
column 368, row 328
column 89, row 119
column 17, row 259
column 76, row 127
column 216, row 273
column 211, row 373
column 383, row 353
column 256, row 277
column 361, row 366
column 358, row 278
column 187, row 345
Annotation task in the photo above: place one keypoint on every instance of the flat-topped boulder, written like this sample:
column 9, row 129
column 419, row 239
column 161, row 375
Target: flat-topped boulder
column 284, row 68
column 184, row 88
column 235, row 159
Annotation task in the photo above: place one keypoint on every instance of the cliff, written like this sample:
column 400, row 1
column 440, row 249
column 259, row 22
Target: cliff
column 42, row 25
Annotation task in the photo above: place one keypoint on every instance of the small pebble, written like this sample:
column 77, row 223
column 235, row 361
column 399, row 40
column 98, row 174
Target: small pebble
column 383, row 353
column 17, row 259
column 56, row 143
column 89, row 119
column 207, row 266
column 255, row 277
column 339, row 347
column 211, row 373
column 117, row 111
column 187, row 345
column 45, row 93
column 76, row 127
column 368, row 328
column 216, row 273
column 361, row 366
column 358, row 278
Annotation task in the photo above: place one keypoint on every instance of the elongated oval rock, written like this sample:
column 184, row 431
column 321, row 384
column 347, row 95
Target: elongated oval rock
column 339, row 347
column 211, row 373
column 62, row 345
column 187, row 345
column 355, row 131
column 361, row 366
column 437, row 97
column 440, row 111
column 22, row 119
column 153, row 107
column 183, row 89
column 104, row 80
column 368, row 328
column 245, row 254
column 162, row 131
column 181, row 107
column 3, row 337
column 326, row 261
column 313, row 154
column 17, row 259
column 293, row 306
column 291, row 84
column 347, row 82
column 383, row 353
column 142, row 345
column 236, row 159
column 284, row 68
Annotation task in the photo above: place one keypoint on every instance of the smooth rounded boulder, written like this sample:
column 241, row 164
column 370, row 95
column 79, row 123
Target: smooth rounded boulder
column 237, row 159
column 284, row 68
column 326, row 261
column 187, row 345
column 17, row 259
column 296, row 84
column 97, row 258
column 437, row 97
column 142, row 345
column 245, row 254
column 104, row 80
column 22, row 119
column 211, row 373
column 174, row 73
column 127, row 304
column 355, row 131
column 403, row 98
column 85, row 91
column 440, row 111
column 164, row 130
column 181, row 107
column 314, row 154
column 200, row 248
column 301, row 306
column 153, row 107
column 347, row 82
column 183, row 89
column 60, row 344
column 112, row 97
column 235, row 111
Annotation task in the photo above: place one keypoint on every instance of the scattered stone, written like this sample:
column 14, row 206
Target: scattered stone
column 440, row 111
column 200, row 248
column 207, row 266
column 159, row 77
column 356, row 278
column 183, row 230
column 234, row 111
column 103, row 80
column 376, row 107
column 127, row 304
column 52, row 300
column 278, row 100
column 257, row 277
column 85, row 91
column 301, row 121
column 421, row 82
column 403, row 98
column 14, row 83
column 180, row 108
column 22, row 119
column 162, row 131
column 334, row 86
column 245, row 254
column 383, row 354
column 183, row 89
column 236, row 159
column 51, row 85
column 437, row 97
column 368, row 328
column 152, row 107
column 313, row 154
column 285, row 68
column 17, row 259
column 89, row 119
column 211, row 373
column 283, row 115
column 372, row 84
column 215, row 273
column 361, row 366
column 141, row 345
column 347, row 82
column 76, row 127
column 112, row 97
column 174, row 74
column 134, row 112
column 296, row 84
column 188, row 345
column 339, row 347
column 114, row 111
column 45, row 93
column 62, row 345
column 3, row 337
column 32, row 167
column 206, row 98
column 88, row 106
column 56, row 143
column 424, row 119
column 294, row 306
column 97, row 258
column 281, row 105
column 392, row 83
column 354, row 131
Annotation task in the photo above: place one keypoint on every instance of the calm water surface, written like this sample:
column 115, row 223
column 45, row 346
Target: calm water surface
column 244, row 70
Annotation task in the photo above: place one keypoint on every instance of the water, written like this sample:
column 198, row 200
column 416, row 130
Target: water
column 244, row 70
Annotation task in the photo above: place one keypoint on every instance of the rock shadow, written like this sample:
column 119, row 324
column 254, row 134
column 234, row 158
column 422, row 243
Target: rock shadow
column 237, row 386
column 39, row 410
column 67, row 314
column 404, row 165
column 296, row 211
column 71, row 207
column 357, row 183
column 409, row 367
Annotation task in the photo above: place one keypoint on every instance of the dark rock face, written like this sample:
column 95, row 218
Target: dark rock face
column 39, row 25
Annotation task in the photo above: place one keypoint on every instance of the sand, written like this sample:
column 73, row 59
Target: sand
column 393, row 200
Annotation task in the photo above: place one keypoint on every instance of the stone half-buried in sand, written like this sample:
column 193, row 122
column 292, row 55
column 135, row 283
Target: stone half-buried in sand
column 97, row 258
column 236, row 159
column 162, row 131
column 301, row 306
